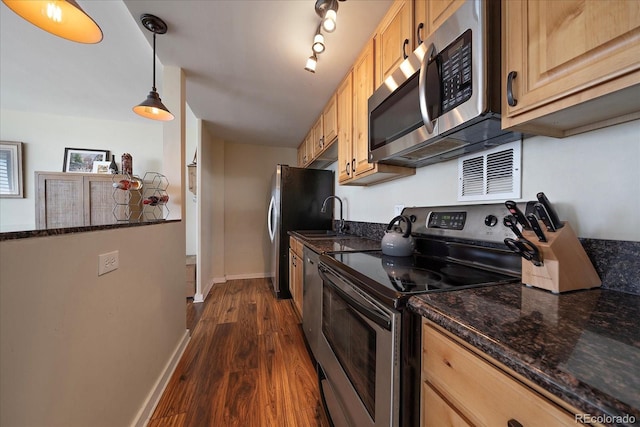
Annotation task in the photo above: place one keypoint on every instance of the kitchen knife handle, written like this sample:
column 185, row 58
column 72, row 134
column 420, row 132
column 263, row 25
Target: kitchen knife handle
column 510, row 222
column 536, row 227
column 517, row 213
column 542, row 213
column 551, row 212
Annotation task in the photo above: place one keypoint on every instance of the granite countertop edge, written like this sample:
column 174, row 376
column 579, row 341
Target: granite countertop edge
column 560, row 384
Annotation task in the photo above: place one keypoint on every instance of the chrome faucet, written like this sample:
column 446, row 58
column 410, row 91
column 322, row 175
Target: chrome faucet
column 324, row 209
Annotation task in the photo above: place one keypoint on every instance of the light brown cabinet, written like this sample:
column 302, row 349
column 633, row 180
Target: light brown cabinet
column 329, row 122
column 462, row 388
column 296, row 272
column 570, row 66
column 428, row 15
column 305, row 150
column 345, row 128
column 356, row 169
column 317, row 138
column 74, row 200
column 394, row 39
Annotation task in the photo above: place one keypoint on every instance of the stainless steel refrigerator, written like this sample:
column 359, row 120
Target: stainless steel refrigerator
column 296, row 199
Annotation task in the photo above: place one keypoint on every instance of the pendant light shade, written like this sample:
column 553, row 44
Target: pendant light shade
column 311, row 63
column 64, row 18
column 152, row 107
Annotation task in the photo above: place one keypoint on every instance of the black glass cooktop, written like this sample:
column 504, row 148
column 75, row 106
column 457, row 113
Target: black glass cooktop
column 415, row 274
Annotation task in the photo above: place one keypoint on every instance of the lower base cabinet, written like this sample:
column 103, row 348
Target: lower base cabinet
column 296, row 272
column 460, row 388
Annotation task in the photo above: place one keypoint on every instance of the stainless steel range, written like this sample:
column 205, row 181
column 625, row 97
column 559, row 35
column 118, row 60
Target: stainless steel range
column 369, row 350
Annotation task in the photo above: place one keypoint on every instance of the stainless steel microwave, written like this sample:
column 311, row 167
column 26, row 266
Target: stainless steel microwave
column 443, row 101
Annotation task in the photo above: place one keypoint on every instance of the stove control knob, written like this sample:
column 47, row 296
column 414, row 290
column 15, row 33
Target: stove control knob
column 490, row 220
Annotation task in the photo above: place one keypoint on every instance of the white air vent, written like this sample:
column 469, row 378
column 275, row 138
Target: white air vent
column 490, row 175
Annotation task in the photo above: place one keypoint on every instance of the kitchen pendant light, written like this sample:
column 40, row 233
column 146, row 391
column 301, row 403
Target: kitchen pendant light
column 152, row 107
column 328, row 11
column 311, row 63
column 63, row 18
column 318, row 41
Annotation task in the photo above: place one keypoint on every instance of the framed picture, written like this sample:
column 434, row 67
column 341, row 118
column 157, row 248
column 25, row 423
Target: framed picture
column 81, row 159
column 100, row 167
column 11, row 170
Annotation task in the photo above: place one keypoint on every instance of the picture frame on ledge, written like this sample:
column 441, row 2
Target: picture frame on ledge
column 101, row 167
column 80, row 160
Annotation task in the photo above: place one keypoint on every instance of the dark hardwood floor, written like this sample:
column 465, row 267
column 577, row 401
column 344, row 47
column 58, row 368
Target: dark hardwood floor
column 245, row 365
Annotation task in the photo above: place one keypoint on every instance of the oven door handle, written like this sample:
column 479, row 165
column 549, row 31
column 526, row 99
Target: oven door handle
column 374, row 316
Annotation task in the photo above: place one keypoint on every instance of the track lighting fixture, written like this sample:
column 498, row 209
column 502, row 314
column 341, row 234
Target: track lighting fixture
column 311, row 63
column 152, row 107
column 328, row 12
column 318, row 41
column 63, row 18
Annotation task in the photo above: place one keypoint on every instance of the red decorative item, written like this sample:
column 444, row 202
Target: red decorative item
column 127, row 164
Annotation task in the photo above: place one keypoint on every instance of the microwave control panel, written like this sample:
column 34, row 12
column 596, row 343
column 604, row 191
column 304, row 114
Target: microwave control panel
column 456, row 72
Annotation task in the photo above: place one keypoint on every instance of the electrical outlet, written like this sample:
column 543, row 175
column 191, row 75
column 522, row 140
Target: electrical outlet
column 397, row 209
column 108, row 262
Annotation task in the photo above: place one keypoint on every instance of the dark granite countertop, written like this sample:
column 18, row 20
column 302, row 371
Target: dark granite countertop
column 583, row 346
column 47, row 232
column 344, row 243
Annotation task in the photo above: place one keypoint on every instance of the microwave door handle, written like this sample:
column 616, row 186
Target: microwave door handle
column 422, row 85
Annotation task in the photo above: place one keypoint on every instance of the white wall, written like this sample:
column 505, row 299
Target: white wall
column 79, row 349
column 247, row 172
column 44, row 138
column 592, row 178
column 191, row 144
column 210, row 231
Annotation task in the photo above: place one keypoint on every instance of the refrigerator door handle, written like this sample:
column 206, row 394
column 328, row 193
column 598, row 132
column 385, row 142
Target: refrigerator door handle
column 269, row 216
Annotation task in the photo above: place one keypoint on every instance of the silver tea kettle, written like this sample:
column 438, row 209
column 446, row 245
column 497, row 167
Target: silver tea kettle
column 398, row 243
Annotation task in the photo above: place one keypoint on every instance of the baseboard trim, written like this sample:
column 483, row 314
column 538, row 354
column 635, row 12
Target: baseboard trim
column 247, row 276
column 150, row 403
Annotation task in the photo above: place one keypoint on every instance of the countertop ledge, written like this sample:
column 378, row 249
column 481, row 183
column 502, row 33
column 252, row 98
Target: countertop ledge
column 582, row 346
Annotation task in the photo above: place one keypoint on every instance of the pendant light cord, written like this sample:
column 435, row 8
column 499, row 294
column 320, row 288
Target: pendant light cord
column 154, row 61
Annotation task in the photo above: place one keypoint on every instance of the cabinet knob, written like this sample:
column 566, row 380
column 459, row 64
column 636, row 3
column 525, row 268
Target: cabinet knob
column 347, row 168
column 404, row 48
column 513, row 423
column 353, row 166
column 510, row 99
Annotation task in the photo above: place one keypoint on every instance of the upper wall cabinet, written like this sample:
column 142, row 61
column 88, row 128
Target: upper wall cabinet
column 429, row 15
column 356, row 169
column 570, row 66
column 394, row 39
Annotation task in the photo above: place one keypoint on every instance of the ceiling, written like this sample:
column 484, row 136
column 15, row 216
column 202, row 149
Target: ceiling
column 243, row 61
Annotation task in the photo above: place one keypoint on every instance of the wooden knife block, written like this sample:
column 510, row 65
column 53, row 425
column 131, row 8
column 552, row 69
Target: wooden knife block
column 565, row 264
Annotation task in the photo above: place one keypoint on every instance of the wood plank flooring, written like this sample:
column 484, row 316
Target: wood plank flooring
column 245, row 365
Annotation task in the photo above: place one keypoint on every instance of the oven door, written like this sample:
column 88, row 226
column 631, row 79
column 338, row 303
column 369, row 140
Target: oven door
column 358, row 355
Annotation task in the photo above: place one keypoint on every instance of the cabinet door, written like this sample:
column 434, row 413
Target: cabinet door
column 394, row 38
column 562, row 53
column 481, row 392
column 428, row 15
column 345, row 128
column 292, row 273
column 60, row 200
column 99, row 200
column 318, row 138
column 330, row 122
column 363, row 75
column 302, row 152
